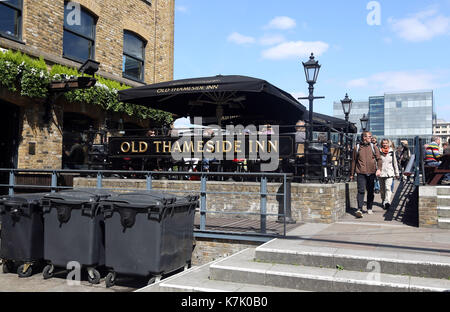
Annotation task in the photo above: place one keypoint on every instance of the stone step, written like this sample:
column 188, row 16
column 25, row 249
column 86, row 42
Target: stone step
column 443, row 200
column 443, row 190
column 389, row 262
column 444, row 212
column 241, row 268
column 444, row 223
column 197, row 280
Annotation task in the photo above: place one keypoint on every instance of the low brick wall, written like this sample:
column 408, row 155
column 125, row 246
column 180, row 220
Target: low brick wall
column 310, row 203
column 428, row 207
column 207, row 250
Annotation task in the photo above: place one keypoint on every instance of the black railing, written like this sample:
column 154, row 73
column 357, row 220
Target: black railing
column 261, row 233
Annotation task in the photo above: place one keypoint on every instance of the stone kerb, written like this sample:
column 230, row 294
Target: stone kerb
column 428, row 207
column 311, row 203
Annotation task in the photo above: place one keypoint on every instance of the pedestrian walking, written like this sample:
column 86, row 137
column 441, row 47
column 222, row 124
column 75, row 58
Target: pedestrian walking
column 367, row 164
column 377, row 182
column 388, row 173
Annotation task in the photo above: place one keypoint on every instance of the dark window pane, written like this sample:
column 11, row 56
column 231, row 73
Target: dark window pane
column 77, row 47
column 16, row 3
column 80, row 22
column 133, row 46
column 9, row 21
column 132, row 67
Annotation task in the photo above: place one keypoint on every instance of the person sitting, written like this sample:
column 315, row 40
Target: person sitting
column 432, row 153
column 446, row 148
column 433, row 156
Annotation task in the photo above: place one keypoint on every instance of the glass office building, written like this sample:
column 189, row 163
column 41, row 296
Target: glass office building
column 395, row 116
column 376, row 115
column 407, row 115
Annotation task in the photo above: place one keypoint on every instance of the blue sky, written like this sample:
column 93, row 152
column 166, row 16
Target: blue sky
column 365, row 47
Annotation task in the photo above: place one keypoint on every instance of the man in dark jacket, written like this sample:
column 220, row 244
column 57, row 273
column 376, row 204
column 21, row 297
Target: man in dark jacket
column 367, row 164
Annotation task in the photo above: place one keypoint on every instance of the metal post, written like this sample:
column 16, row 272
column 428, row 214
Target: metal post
column 203, row 203
column 263, row 211
column 149, row 181
column 99, row 180
column 54, row 182
column 11, row 183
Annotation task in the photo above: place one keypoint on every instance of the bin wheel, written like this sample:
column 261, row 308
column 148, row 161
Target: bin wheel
column 7, row 267
column 48, row 271
column 154, row 279
column 95, row 277
column 110, row 279
column 24, row 270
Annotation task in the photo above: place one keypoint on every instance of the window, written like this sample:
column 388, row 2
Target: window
column 133, row 56
column 11, row 19
column 79, row 33
column 399, row 104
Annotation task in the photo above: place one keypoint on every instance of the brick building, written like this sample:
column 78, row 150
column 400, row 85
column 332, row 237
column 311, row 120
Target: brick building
column 133, row 40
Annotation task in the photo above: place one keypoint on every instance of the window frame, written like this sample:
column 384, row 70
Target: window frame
column 20, row 28
column 124, row 75
column 75, row 33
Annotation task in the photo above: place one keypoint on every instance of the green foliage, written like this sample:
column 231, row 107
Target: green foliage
column 32, row 77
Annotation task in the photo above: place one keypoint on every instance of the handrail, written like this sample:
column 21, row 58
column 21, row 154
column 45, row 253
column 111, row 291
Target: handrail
column 283, row 216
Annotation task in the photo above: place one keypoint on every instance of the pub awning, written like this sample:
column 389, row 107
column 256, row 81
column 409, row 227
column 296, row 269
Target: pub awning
column 222, row 97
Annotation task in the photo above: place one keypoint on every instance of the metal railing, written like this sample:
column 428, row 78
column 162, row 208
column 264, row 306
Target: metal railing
column 251, row 234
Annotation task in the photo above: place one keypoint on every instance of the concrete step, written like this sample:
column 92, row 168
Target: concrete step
column 197, row 280
column 241, row 268
column 443, row 190
column 443, row 200
column 444, row 212
column 389, row 262
column 444, row 223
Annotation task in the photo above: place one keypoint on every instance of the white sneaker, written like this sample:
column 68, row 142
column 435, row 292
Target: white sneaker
column 359, row 214
column 370, row 211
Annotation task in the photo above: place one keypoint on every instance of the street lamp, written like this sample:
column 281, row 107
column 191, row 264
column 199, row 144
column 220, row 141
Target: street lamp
column 364, row 122
column 312, row 69
column 346, row 107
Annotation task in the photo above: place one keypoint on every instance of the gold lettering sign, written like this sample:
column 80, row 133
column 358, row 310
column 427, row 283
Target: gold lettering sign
column 125, row 147
column 143, row 147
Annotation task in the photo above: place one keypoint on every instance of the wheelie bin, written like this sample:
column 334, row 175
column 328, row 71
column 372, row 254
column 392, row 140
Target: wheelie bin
column 147, row 234
column 22, row 234
column 74, row 231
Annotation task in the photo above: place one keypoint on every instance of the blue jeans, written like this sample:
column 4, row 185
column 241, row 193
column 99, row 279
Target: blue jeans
column 377, row 184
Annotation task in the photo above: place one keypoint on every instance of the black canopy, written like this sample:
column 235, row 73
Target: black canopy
column 223, row 97
column 336, row 123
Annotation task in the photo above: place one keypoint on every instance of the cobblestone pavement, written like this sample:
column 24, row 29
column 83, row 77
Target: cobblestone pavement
column 13, row 283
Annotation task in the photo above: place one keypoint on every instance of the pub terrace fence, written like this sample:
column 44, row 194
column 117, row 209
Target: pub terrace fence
column 326, row 159
column 261, row 233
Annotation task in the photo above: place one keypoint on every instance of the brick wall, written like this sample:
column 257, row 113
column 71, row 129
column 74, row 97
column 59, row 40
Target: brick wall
column 42, row 35
column 207, row 250
column 428, row 207
column 312, row 203
column 44, row 21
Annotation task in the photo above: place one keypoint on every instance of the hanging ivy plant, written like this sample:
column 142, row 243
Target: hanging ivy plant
column 31, row 76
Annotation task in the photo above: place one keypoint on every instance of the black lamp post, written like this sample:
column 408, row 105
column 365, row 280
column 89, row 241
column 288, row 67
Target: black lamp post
column 346, row 107
column 364, row 122
column 312, row 69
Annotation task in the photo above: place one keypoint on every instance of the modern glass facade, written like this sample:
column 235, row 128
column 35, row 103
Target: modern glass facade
column 409, row 114
column 395, row 116
column 376, row 115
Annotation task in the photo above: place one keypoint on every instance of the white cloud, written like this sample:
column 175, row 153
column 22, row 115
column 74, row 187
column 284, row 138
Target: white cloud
column 395, row 81
column 271, row 39
column 281, row 22
column 295, row 49
column 181, row 8
column 422, row 26
column 240, row 39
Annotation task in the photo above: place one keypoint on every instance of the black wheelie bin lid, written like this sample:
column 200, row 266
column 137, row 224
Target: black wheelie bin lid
column 152, row 202
column 22, row 201
column 76, row 197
